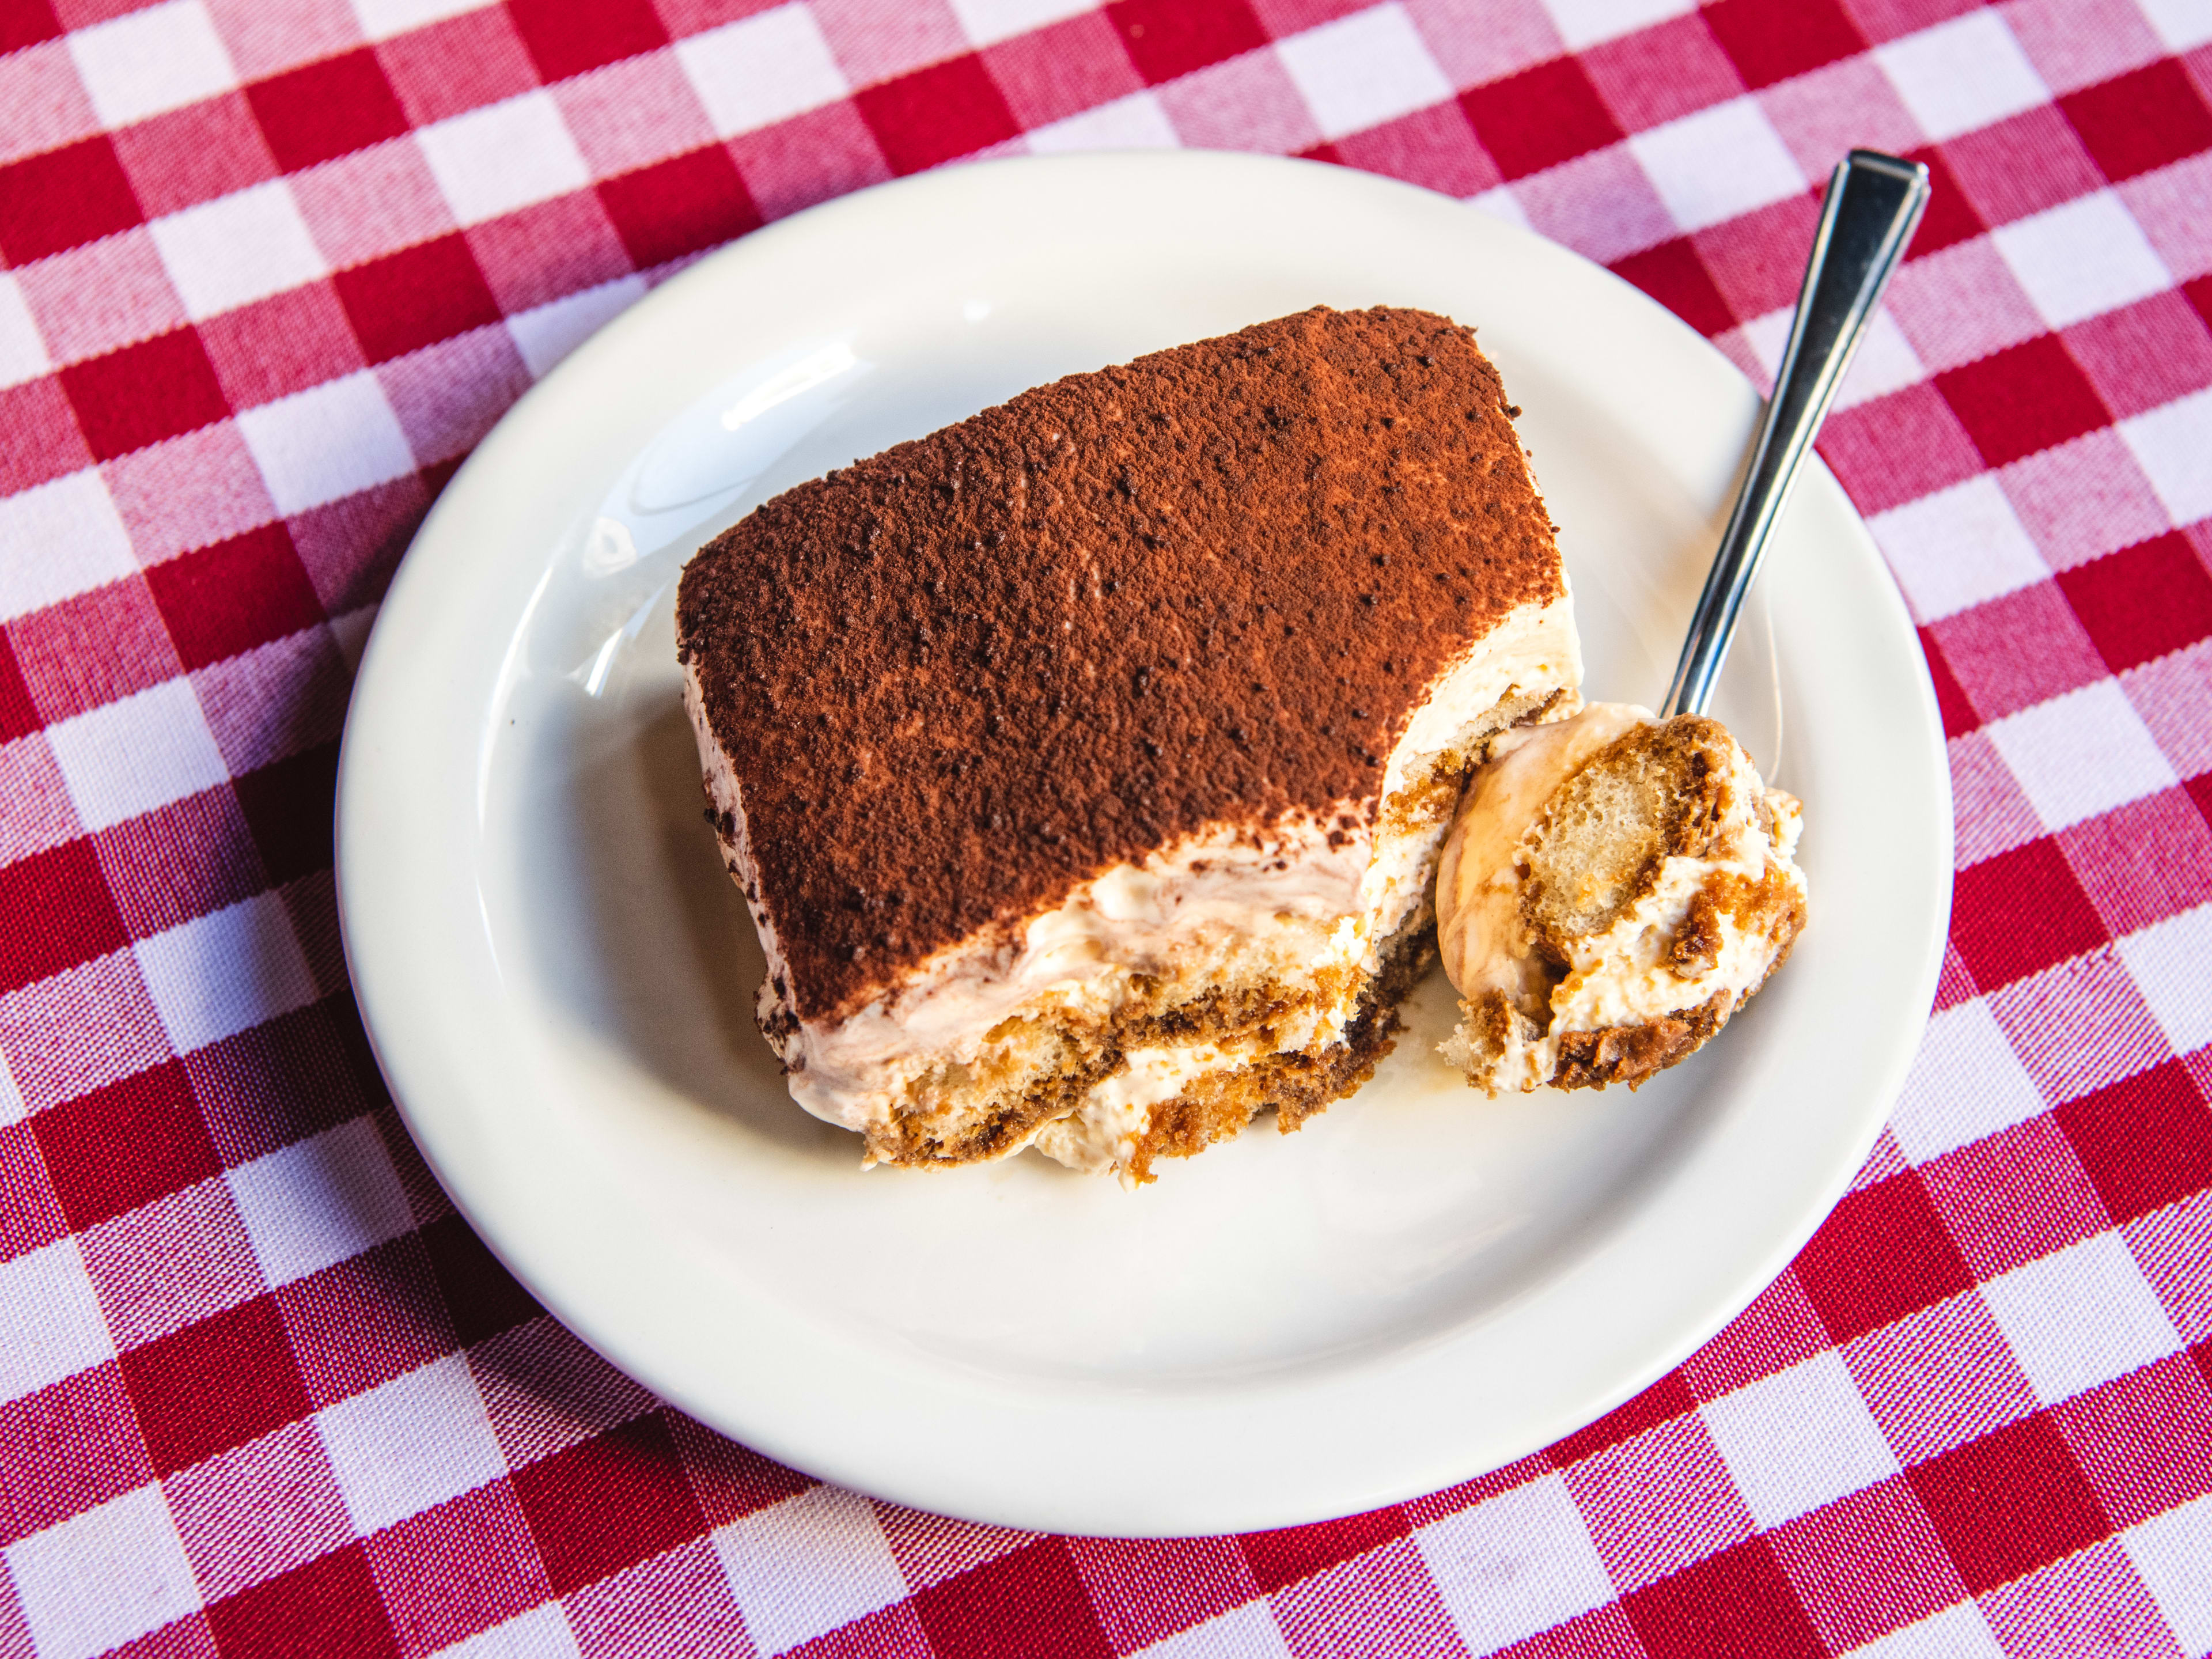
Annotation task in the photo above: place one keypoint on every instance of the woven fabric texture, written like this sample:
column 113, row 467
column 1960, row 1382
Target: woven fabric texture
column 271, row 267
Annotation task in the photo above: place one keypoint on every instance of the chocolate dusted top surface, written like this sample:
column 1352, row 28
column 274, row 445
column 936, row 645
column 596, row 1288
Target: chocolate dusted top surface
column 1210, row 587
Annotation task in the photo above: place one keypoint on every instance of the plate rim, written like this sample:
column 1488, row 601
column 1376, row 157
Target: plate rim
column 489, row 1206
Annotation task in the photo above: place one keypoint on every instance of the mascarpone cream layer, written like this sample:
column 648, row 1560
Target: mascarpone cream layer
column 1285, row 903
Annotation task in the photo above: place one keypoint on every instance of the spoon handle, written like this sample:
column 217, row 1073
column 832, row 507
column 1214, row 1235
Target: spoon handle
column 1873, row 205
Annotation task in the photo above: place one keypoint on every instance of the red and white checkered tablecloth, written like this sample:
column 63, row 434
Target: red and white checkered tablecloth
column 272, row 266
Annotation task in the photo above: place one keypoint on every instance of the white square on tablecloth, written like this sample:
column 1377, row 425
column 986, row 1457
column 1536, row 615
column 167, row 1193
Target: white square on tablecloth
column 2172, row 444
column 2181, row 24
column 216, row 974
column 1516, row 1564
column 1966, row 1084
column 23, row 348
column 146, row 62
column 103, row 1578
column 1136, row 121
column 761, row 69
column 2080, row 1316
column 320, row 1201
column 808, row 1564
column 382, row 19
column 50, row 1320
column 1500, row 202
column 330, row 440
column 1798, row 1439
column 1362, row 70
column 1248, row 1632
column 545, row 334
column 63, row 536
column 137, row 753
column 2168, row 962
column 1585, row 23
column 1958, row 1633
column 11, row 1097
column 237, row 248
column 407, row 1445
column 2081, row 754
column 503, row 156
column 2170, row 1552
column 2086, row 257
column 1957, row 548
column 541, row 1633
column 1961, row 75
column 1719, row 163
column 985, row 21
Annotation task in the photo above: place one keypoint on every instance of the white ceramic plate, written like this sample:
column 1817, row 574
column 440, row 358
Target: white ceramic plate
column 1422, row 1284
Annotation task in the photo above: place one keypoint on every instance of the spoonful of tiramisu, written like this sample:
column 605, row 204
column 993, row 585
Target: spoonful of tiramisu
column 1617, row 883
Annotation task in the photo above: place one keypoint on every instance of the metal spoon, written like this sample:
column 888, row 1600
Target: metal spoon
column 1873, row 205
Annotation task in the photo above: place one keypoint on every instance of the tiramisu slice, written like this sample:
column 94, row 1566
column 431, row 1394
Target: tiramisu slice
column 1084, row 764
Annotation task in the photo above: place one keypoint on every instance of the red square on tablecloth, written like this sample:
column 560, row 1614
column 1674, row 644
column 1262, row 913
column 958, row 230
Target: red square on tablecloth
column 1664, row 1400
column 1540, row 118
column 1028, row 1604
column 1771, row 40
column 288, row 804
column 25, row 23
column 1882, row 1254
column 1734, row 1601
column 935, row 114
column 1283, row 1557
column 2141, row 120
column 682, row 205
column 327, row 1609
column 565, row 38
column 1672, row 274
column 62, row 198
column 2020, row 911
column 1951, row 700
column 65, row 889
column 18, row 719
column 327, row 109
column 145, row 392
column 233, row 596
column 2146, row 1140
column 1950, row 218
column 1168, row 39
column 608, row 1502
column 2009, row 1502
column 481, row 1295
column 213, row 1385
column 2143, row 601
column 415, row 297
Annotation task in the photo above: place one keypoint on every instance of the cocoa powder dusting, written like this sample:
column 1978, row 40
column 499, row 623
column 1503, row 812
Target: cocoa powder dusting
column 962, row 676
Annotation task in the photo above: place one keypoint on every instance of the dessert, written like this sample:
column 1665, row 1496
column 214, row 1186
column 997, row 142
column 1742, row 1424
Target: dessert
column 1084, row 764
column 1615, row 887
